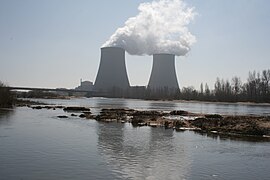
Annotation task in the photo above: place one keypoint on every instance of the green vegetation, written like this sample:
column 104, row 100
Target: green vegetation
column 7, row 99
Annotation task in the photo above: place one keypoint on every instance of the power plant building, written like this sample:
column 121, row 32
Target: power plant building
column 112, row 71
column 163, row 73
column 85, row 86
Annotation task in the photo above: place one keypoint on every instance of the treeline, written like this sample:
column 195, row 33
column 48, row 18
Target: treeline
column 255, row 89
column 7, row 98
column 37, row 94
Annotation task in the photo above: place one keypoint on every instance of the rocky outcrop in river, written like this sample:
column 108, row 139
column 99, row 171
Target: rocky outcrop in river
column 179, row 120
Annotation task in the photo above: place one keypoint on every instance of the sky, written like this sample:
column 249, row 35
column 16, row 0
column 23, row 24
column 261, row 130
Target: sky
column 55, row 43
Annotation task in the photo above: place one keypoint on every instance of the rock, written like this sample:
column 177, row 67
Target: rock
column 178, row 124
column 90, row 116
column 167, row 124
column 244, row 125
column 147, row 113
column 62, row 116
column 105, row 118
column 76, row 108
column 213, row 116
column 153, row 124
column 114, row 114
column 179, row 112
column 142, row 124
column 74, row 115
column 59, row 107
column 137, row 122
column 98, row 118
column 82, row 115
column 206, row 124
column 215, row 123
column 36, row 107
column 48, row 107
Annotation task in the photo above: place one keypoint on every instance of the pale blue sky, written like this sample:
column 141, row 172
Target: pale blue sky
column 54, row 43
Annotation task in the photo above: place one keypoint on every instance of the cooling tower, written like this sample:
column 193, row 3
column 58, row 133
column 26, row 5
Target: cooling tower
column 112, row 71
column 163, row 73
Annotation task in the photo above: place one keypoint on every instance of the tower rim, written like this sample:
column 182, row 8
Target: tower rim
column 112, row 47
column 156, row 54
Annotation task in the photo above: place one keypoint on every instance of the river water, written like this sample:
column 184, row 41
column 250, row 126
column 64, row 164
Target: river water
column 195, row 107
column 35, row 144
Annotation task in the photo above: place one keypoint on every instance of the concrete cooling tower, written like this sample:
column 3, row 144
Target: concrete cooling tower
column 112, row 71
column 163, row 72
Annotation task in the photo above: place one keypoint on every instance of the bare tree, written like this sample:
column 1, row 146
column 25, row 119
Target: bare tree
column 236, row 85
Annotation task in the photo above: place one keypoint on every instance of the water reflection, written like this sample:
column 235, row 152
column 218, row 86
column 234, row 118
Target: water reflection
column 110, row 103
column 165, row 105
column 5, row 116
column 142, row 153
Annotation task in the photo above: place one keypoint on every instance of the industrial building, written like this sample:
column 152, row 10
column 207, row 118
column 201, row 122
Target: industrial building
column 112, row 73
column 85, row 86
column 163, row 73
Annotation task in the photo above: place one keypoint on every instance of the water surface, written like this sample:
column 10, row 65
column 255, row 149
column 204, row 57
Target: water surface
column 35, row 144
column 195, row 107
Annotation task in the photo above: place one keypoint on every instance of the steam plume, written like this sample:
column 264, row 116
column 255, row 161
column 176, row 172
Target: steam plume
column 160, row 27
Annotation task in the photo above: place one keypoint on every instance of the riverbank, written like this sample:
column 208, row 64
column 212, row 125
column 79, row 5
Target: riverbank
column 224, row 103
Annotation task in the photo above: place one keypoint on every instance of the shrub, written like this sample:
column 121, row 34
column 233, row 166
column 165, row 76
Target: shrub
column 6, row 96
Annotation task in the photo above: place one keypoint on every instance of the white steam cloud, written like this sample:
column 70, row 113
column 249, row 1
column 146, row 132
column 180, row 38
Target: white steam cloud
column 160, row 27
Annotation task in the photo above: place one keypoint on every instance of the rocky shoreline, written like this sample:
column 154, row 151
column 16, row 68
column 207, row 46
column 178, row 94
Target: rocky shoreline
column 178, row 120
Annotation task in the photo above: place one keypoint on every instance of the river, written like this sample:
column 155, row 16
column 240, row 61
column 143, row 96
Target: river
column 195, row 107
column 35, row 144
